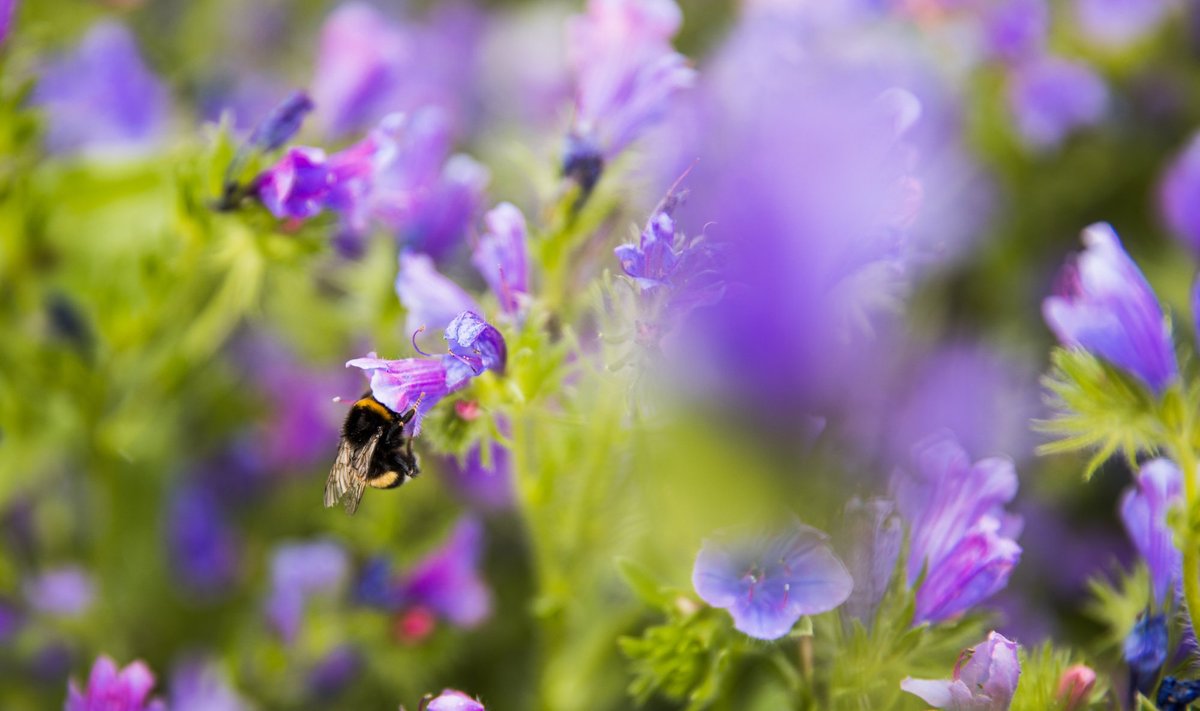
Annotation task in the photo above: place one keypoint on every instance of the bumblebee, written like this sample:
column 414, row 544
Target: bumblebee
column 374, row 452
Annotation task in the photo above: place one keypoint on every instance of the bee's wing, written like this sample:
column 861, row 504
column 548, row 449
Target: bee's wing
column 348, row 477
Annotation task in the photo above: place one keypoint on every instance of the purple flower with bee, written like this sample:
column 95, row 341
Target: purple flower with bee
column 1106, row 306
column 768, row 582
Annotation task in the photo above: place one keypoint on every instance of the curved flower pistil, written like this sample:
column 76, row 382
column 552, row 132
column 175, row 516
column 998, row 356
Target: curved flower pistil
column 1107, row 307
column 985, row 679
column 768, row 582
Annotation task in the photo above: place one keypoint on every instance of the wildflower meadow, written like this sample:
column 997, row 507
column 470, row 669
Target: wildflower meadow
column 596, row 355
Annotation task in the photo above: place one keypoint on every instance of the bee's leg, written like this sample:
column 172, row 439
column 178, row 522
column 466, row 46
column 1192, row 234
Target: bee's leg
column 411, row 412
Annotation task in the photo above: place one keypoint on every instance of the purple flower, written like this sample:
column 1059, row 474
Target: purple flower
column 625, row 73
column 199, row 685
column 1050, row 97
column 1144, row 507
column 67, row 591
column 985, row 679
column 1177, row 695
column 1117, row 23
column 1016, row 29
column 484, row 487
column 430, row 299
column 101, row 96
column 768, row 582
column 113, row 689
column 476, row 343
column 10, row 620
column 502, row 257
column 451, row 700
column 8, row 9
column 447, row 581
column 204, row 551
column 1105, row 306
column 959, row 533
column 337, row 669
column 282, row 123
column 1145, row 650
column 299, row 571
column 874, row 536
column 298, row 186
column 399, row 384
column 1177, row 195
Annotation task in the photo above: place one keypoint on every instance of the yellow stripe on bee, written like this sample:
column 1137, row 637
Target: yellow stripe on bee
column 384, row 480
column 373, row 404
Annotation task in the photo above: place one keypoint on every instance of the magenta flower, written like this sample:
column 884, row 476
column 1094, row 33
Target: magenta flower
column 1105, row 306
column 502, row 257
column 113, row 689
column 959, row 532
column 625, row 74
column 401, row 384
column 985, row 679
column 767, row 583
column 451, row 700
column 448, row 581
column 1177, row 193
column 1050, row 97
column 1144, row 508
column 298, row 186
column 101, row 96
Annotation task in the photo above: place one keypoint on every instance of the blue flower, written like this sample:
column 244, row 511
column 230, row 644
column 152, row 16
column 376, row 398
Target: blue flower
column 204, row 551
column 1145, row 650
column 101, row 96
column 1144, row 507
column 959, row 534
column 299, row 571
column 1051, row 97
column 1177, row 694
column 1105, row 306
column 768, row 582
column 985, row 679
column 282, row 123
column 113, row 689
column 476, row 343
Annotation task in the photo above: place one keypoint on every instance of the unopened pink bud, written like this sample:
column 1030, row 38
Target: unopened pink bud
column 1075, row 686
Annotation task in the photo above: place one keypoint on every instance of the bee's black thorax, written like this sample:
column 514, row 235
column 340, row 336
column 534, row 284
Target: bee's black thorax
column 393, row 461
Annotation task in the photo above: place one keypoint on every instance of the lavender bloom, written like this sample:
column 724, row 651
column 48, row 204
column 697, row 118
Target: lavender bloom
column 960, row 535
column 399, row 384
column 431, row 299
column 1177, row 695
column 1105, row 306
column 447, row 208
column 198, row 685
column 451, row 700
column 1158, row 487
column 768, row 582
column 1051, row 97
column 985, row 679
column 113, row 689
column 368, row 66
column 1145, row 650
column 875, row 535
column 1016, row 29
column 489, row 488
column 1117, row 23
column 447, row 581
column 502, row 257
column 282, row 123
column 1177, row 195
column 204, row 552
column 298, row 186
column 101, row 96
column 625, row 73
column 63, row 592
column 476, row 343
column 299, row 571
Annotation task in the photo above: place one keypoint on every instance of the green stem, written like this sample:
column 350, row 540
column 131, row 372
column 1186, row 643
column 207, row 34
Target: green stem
column 1186, row 457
